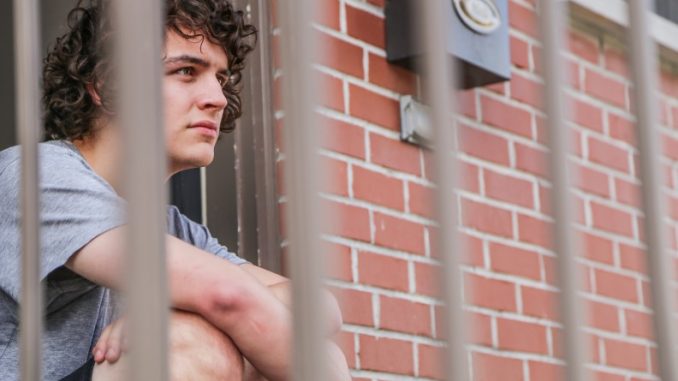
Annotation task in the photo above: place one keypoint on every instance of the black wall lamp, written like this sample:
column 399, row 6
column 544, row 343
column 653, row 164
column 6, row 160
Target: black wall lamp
column 478, row 35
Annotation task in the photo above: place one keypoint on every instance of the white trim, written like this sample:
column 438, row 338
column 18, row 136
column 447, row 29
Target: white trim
column 662, row 30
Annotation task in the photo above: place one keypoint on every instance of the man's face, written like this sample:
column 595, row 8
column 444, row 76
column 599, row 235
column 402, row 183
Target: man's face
column 195, row 70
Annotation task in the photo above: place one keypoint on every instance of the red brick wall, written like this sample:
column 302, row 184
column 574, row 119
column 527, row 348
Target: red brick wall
column 384, row 263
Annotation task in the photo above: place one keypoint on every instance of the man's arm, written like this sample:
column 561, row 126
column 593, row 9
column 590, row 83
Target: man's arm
column 224, row 294
column 280, row 287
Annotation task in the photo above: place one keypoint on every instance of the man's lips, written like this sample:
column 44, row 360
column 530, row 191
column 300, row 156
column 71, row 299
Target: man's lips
column 207, row 127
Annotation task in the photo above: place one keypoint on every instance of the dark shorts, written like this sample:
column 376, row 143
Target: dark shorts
column 84, row 373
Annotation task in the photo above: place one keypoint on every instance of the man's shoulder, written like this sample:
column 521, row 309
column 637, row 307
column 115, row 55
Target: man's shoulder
column 54, row 154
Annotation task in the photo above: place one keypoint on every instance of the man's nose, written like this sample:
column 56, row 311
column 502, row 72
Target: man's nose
column 213, row 96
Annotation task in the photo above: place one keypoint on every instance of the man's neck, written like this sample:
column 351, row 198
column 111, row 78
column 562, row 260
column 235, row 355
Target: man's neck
column 101, row 150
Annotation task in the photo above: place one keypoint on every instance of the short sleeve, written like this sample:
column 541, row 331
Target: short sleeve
column 76, row 206
column 198, row 235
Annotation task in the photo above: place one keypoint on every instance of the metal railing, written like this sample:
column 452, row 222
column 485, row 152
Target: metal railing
column 141, row 110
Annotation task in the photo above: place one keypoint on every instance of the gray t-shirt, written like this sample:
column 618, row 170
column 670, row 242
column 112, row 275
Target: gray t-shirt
column 76, row 206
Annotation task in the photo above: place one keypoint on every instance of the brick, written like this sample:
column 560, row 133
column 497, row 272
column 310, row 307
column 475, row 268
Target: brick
column 332, row 95
column 611, row 220
column 327, row 14
column 507, row 117
column 625, row 355
column 616, row 286
column 669, row 146
column 527, row 91
column 431, row 362
column 377, row 188
column 586, row 115
column 520, row 53
column 427, row 279
column 515, row 261
column 339, row 261
column 603, row 316
column 609, row 90
column 398, row 234
column 632, row 258
column 486, row 218
column 523, row 19
column 483, row 145
column 386, row 355
column 539, row 303
column 478, row 324
column 489, row 367
column 365, row 26
column 489, row 293
column 535, row 231
column 621, row 128
column 356, row 306
column 583, row 46
column 521, row 336
column 546, row 371
column 379, row 3
column 507, row 188
column 531, row 160
column 627, row 192
column 390, row 76
column 395, row 154
column 339, row 55
column 383, row 271
column 604, row 376
column 617, row 62
column 597, row 248
column 374, row 108
column 343, row 138
column 338, row 182
column 608, row 155
column 348, row 221
column 592, row 181
column 421, row 199
column 639, row 324
column 466, row 103
column 345, row 341
column 405, row 316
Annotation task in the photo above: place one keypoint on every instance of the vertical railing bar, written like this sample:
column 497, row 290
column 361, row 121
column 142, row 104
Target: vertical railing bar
column 302, row 184
column 27, row 48
column 552, row 27
column 643, row 56
column 139, row 31
column 440, row 81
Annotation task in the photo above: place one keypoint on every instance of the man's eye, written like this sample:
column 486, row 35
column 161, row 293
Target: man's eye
column 185, row 71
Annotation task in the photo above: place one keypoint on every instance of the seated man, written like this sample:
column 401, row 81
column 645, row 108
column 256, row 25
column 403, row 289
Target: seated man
column 231, row 319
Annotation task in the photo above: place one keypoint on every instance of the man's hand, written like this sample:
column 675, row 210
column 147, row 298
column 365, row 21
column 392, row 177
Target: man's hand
column 112, row 343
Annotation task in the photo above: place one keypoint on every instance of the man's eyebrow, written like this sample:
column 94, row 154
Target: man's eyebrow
column 186, row 58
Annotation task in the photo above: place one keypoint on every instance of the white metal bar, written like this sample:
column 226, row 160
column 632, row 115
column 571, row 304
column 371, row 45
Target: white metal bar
column 27, row 48
column 302, row 178
column 552, row 26
column 643, row 55
column 139, row 30
column 440, row 80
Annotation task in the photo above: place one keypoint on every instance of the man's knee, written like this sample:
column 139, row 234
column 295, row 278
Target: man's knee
column 198, row 348
column 198, row 351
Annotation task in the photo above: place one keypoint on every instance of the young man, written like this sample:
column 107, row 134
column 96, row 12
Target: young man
column 230, row 318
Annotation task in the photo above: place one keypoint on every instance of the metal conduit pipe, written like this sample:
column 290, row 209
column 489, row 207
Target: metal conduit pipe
column 302, row 183
column 439, row 76
column 643, row 56
column 552, row 27
column 140, row 105
column 28, row 61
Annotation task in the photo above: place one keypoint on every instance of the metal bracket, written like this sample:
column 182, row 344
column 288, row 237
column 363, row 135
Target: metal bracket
column 415, row 122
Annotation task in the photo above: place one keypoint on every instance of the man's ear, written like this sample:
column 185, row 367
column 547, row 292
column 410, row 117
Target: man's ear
column 94, row 94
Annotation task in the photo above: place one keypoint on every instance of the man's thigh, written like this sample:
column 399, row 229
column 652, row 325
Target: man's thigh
column 197, row 351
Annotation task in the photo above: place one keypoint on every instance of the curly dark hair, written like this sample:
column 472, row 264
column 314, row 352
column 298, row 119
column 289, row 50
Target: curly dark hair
column 76, row 61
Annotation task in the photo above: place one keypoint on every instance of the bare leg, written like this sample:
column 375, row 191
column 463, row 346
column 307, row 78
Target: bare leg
column 198, row 351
